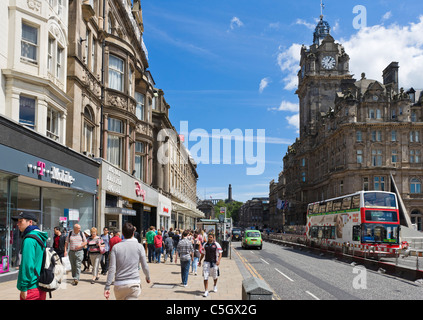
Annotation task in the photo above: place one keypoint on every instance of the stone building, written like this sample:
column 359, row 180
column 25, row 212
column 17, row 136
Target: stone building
column 255, row 213
column 354, row 134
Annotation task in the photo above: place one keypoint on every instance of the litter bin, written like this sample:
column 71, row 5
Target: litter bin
column 225, row 248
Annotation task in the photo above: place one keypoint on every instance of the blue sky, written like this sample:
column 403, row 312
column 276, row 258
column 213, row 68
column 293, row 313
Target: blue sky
column 232, row 64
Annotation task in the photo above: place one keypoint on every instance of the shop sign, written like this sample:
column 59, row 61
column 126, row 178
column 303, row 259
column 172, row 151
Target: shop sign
column 140, row 192
column 56, row 174
column 114, row 181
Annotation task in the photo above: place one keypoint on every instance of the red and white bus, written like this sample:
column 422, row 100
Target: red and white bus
column 363, row 221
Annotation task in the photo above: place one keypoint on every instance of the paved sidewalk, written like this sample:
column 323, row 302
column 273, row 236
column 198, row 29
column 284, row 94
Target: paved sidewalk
column 165, row 285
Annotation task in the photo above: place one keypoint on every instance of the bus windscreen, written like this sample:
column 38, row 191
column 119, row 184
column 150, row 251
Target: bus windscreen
column 379, row 199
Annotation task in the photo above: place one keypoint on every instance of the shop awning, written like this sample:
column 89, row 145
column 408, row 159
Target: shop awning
column 184, row 208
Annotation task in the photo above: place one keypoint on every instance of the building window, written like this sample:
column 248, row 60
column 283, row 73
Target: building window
column 377, row 135
column 59, row 62
column 378, row 114
column 371, row 113
column 366, row 184
column 140, row 160
column 394, row 135
column 88, row 134
column 416, row 218
column 359, row 136
column 115, row 141
column 29, row 43
column 377, row 158
column 303, row 176
column 394, row 156
column 359, row 156
column 415, row 156
column 131, row 81
column 379, row 183
column 53, row 118
column 415, row 186
column 413, row 116
column 414, row 136
column 50, row 51
column 116, row 73
column 139, row 112
column 93, row 55
column 27, row 111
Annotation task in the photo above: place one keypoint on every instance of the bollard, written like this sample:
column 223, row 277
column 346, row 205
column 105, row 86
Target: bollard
column 256, row 289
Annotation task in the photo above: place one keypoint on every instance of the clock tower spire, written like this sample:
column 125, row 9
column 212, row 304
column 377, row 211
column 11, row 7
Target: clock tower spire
column 323, row 66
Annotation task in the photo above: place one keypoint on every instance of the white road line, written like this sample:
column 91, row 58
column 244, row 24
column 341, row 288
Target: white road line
column 264, row 261
column 284, row 275
column 312, row 295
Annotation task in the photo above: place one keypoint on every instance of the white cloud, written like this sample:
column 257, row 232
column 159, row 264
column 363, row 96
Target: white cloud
column 387, row 16
column 288, row 61
column 235, row 23
column 286, row 106
column 294, row 121
column 263, row 84
column 371, row 49
column 310, row 26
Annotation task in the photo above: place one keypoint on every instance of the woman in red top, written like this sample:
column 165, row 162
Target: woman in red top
column 158, row 243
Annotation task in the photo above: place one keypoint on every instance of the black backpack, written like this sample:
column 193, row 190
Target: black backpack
column 52, row 270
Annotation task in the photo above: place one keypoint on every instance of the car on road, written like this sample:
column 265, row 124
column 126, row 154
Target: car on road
column 236, row 235
column 252, row 238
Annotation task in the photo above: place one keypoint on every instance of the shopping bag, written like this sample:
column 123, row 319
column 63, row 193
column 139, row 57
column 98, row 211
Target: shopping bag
column 66, row 263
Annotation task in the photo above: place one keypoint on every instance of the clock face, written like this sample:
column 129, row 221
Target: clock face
column 328, row 62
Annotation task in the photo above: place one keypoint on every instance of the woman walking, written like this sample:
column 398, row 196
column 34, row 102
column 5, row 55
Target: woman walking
column 158, row 244
column 94, row 245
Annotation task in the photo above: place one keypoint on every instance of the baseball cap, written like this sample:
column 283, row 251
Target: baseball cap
column 26, row 215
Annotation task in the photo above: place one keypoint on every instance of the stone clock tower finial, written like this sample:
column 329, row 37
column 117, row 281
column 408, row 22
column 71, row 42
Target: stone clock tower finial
column 322, row 29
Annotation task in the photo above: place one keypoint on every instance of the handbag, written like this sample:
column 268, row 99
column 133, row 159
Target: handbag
column 102, row 250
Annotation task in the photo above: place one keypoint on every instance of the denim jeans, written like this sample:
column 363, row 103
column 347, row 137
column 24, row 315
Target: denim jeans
column 151, row 252
column 158, row 253
column 185, row 271
column 194, row 264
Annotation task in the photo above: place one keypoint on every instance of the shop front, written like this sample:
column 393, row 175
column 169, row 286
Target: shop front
column 124, row 198
column 45, row 178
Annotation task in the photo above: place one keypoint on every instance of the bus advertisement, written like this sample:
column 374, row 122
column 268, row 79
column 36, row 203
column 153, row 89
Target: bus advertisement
column 363, row 221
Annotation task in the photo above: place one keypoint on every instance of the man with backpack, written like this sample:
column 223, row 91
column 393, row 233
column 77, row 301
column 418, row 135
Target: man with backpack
column 76, row 241
column 32, row 257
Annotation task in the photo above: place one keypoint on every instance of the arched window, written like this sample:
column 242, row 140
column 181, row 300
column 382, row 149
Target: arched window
column 415, row 186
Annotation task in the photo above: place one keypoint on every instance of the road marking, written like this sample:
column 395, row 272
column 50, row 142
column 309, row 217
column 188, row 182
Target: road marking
column 312, row 295
column 284, row 275
column 264, row 261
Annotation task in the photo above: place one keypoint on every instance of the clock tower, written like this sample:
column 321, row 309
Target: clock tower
column 323, row 66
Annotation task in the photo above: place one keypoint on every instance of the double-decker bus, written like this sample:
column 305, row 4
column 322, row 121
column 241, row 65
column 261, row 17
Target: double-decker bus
column 362, row 220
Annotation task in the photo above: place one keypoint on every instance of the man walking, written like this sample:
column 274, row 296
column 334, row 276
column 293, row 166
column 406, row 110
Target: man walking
column 150, row 244
column 59, row 241
column 125, row 258
column 105, row 257
column 185, row 250
column 212, row 251
column 32, row 258
column 76, row 241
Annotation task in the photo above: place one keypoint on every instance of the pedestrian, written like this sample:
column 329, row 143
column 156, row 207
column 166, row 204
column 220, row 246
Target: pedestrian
column 31, row 257
column 176, row 237
column 158, row 245
column 212, row 252
column 196, row 243
column 150, row 243
column 185, row 251
column 94, row 244
column 74, row 245
column 168, row 245
column 105, row 256
column 86, row 261
column 115, row 239
column 125, row 258
column 59, row 240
